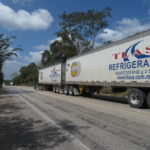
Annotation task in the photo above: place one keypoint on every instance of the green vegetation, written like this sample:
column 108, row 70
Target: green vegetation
column 28, row 75
column 77, row 34
column 6, row 52
column 109, row 91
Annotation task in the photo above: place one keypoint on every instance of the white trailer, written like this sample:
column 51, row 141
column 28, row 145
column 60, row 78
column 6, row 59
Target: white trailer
column 51, row 77
column 124, row 64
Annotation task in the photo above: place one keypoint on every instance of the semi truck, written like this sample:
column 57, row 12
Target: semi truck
column 123, row 65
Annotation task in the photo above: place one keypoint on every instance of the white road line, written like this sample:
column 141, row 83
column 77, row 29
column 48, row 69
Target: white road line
column 75, row 141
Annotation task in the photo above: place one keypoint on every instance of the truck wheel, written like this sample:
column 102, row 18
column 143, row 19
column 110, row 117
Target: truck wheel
column 71, row 92
column 66, row 90
column 57, row 89
column 54, row 89
column 148, row 99
column 61, row 91
column 136, row 98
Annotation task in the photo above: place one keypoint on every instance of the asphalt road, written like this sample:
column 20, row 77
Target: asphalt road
column 42, row 120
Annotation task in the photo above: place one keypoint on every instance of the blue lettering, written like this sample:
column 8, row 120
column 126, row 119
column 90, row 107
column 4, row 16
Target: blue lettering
column 110, row 67
column 139, row 63
column 122, row 66
column 146, row 64
column 128, row 65
column 114, row 66
column 134, row 64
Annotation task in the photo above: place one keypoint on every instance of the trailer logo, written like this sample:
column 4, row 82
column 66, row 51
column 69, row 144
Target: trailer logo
column 131, row 51
column 75, row 69
column 134, row 52
column 55, row 72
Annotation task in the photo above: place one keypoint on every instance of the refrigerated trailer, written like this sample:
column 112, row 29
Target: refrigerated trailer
column 52, row 77
column 122, row 65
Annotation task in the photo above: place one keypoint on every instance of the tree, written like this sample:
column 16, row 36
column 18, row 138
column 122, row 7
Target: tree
column 6, row 52
column 61, row 51
column 46, row 59
column 78, row 30
column 28, row 75
column 17, row 80
column 108, row 42
column 1, row 78
column 13, row 75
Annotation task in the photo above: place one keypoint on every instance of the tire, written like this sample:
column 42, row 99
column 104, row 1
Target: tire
column 54, row 89
column 148, row 99
column 71, row 92
column 136, row 98
column 87, row 92
column 57, row 89
column 66, row 90
column 61, row 90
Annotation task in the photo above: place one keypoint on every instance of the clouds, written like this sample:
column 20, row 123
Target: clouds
column 10, row 67
column 22, row 20
column 41, row 47
column 13, row 66
column 125, row 27
column 33, row 57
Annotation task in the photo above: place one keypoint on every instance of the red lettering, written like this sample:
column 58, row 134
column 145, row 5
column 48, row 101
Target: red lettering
column 116, row 55
column 123, row 54
column 147, row 48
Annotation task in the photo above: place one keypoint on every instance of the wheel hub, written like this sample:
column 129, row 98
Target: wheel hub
column 135, row 98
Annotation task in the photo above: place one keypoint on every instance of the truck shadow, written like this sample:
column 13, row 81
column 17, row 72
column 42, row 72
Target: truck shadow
column 111, row 98
column 114, row 99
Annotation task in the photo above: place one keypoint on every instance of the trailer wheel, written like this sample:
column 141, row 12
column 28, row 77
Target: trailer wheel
column 54, row 89
column 136, row 98
column 71, row 92
column 66, row 90
column 61, row 91
column 148, row 99
column 57, row 89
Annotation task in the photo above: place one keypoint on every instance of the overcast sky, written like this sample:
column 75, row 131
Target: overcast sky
column 35, row 23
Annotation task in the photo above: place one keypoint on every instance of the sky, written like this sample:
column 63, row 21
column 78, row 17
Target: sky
column 35, row 22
